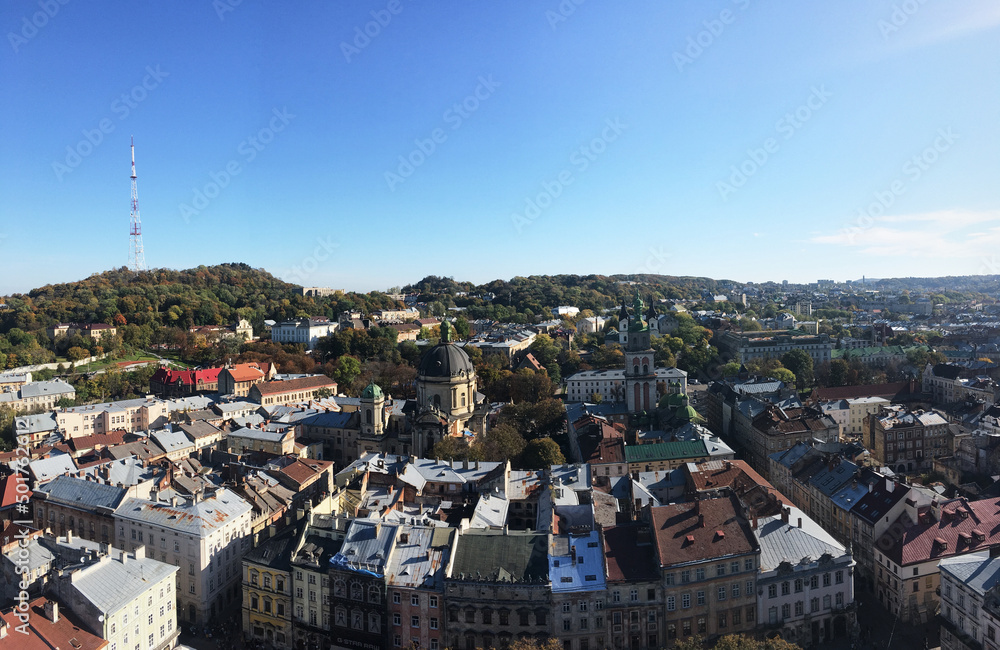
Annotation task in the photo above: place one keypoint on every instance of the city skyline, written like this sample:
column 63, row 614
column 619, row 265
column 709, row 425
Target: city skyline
column 369, row 146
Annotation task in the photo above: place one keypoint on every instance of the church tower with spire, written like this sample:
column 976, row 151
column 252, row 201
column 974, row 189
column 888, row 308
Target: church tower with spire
column 640, row 370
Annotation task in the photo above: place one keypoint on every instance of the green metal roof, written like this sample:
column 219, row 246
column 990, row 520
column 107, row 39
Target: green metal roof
column 665, row 451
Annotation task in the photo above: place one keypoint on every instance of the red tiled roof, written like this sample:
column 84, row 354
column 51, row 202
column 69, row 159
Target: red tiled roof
column 680, row 538
column 8, row 490
column 290, row 385
column 43, row 634
column 963, row 523
column 304, row 469
column 187, row 377
column 888, row 391
column 83, row 443
column 246, row 372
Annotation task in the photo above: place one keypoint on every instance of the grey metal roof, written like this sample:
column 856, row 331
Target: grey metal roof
column 46, row 469
column 171, row 441
column 781, row 542
column 258, row 434
column 190, row 403
column 200, row 518
column 42, row 388
column 367, row 546
column 977, row 571
column 419, row 561
column 112, row 585
column 81, row 493
column 37, row 423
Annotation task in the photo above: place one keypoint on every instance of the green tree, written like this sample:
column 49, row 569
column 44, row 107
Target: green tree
column 462, row 328
column 450, row 448
column 501, row 442
column 801, row 364
column 782, row 374
column 541, row 453
column 75, row 354
column 346, row 370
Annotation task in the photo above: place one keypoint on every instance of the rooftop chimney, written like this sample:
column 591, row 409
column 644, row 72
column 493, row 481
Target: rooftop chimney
column 69, row 537
column 784, row 515
column 701, row 521
column 52, row 610
column 140, row 552
column 889, row 484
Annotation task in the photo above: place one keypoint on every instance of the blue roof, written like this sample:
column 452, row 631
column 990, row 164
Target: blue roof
column 977, row 571
column 576, row 563
column 848, row 496
column 829, row 480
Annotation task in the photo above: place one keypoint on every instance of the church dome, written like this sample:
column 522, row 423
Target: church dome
column 688, row 414
column 372, row 391
column 445, row 360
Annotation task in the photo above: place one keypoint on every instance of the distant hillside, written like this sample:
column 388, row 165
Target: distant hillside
column 207, row 295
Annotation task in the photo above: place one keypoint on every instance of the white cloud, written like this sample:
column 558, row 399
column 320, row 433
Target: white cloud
column 945, row 235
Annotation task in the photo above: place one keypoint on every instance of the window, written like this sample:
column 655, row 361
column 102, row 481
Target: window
column 748, row 564
column 686, row 601
column 799, row 607
column 566, row 607
column 814, row 582
column 722, row 620
column 701, row 597
column 397, row 619
column 736, row 590
column 395, row 598
column 737, row 617
column 685, row 577
column 749, row 590
column 686, row 628
column 434, row 624
column 651, row 594
column 669, row 579
column 826, row 579
column 786, row 611
column 751, row 612
column 671, row 603
column 798, row 585
column 721, row 593
column 785, row 588
column 840, row 599
column 772, row 591
column 504, row 617
column 839, row 577
column 616, row 596
column 699, row 574
column 826, row 601
column 582, row 605
column 566, row 625
column 434, row 601
column 633, row 595
column 414, row 621
column 701, row 625
column 814, row 605
column 415, row 600
column 720, row 570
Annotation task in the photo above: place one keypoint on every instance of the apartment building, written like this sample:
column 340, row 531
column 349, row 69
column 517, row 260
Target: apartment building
column 907, row 441
column 205, row 535
column 131, row 416
column 708, row 557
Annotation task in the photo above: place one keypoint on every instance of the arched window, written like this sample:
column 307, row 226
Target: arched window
column 463, row 399
column 436, row 401
column 356, row 592
column 368, row 416
column 374, row 595
column 645, row 369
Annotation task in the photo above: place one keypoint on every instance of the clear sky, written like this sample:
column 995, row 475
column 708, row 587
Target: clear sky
column 361, row 145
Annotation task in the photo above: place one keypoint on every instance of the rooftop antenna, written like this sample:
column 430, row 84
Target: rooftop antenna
column 136, row 255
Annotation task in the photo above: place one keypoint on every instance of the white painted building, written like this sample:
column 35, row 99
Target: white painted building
column 306, row 331
column 805, row 585
column 610, row 384
column 205, row 537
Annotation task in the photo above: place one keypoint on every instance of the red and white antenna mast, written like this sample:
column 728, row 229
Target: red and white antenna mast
column 136, row 256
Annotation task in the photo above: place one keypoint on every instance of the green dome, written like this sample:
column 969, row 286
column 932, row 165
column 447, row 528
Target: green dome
column 688, row 414
column 371, row 391
column 676, row 399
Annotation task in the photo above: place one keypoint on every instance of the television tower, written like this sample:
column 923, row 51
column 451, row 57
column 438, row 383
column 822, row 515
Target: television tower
column 136, row 256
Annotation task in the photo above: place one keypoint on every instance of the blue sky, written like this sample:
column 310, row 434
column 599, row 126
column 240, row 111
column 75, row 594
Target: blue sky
column 362, row 145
